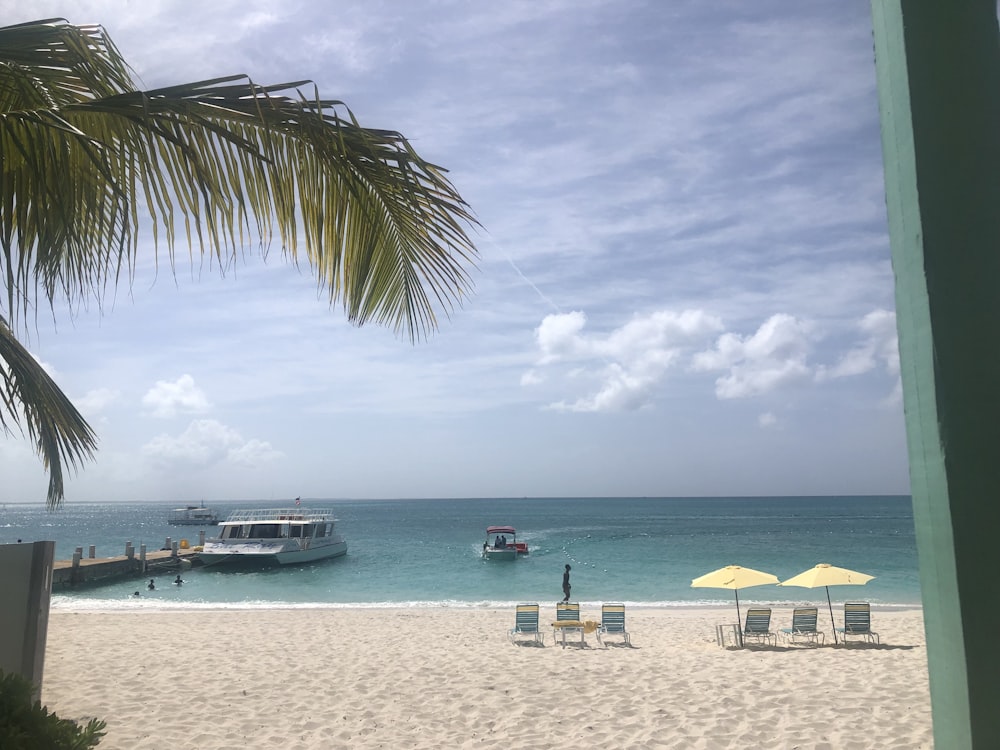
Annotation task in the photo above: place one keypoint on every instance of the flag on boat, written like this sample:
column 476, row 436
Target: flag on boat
column 298, row 501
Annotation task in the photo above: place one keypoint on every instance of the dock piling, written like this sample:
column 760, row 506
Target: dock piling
column 75, row 572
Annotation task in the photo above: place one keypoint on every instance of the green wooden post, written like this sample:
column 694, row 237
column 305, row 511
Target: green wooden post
column 938, row 69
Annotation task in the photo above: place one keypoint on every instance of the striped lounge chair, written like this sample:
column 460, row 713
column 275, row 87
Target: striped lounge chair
column 758, row 626
column 804, row 626
column 613, row 623
column 526, row 624
column 567, row 612
column 858, row 622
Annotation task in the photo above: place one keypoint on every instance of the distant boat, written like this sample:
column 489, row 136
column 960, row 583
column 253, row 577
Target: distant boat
column 193, row 515
column 274, row 535
column 501, row 544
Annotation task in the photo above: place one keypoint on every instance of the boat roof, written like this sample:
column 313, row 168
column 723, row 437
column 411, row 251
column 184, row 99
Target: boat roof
column 500, row 530
column 277, row 515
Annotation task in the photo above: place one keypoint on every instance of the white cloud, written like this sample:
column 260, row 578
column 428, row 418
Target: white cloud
column 772, row 357
column 207, row 442
column 165, row 399
column 97, row 400
column 627, row 364
column 895, row 397
column 758, row 378
column 856, row 362
column 559, row 337
column 880, row 347
column 253, row 453
column 622, row 391
column 531, row 377
column 767, row 419
column 881, row 327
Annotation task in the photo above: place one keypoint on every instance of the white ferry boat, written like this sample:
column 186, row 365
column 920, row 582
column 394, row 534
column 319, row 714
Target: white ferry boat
column 274, row 535
column 193, row 515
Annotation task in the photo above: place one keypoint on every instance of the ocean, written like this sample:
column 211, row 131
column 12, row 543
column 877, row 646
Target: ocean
column 426, row 553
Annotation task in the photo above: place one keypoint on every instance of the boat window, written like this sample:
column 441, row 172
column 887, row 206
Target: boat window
column 296, row 531
column 264, row 531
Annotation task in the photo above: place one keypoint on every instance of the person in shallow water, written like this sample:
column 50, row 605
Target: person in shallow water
column 178, row 580
column 151, row 586
column 566, row 586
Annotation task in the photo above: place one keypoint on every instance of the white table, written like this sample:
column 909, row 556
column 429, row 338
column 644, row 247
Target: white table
column 731, row 630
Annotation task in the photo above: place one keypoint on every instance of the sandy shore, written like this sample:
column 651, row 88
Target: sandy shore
column 449, row 678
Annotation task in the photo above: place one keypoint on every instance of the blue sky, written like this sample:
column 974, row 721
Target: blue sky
column 684, row 286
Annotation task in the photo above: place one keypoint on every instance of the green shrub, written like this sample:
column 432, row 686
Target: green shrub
column 28, row 725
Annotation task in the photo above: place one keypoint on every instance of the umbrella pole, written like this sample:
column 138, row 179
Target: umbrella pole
column 739, row 623
column 832, row 621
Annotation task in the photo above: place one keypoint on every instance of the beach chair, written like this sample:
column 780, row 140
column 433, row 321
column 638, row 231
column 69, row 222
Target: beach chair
column 613, row 623
column 567, row 620
column 758, row 626
column 858, row 622
column 804, row 626
column 525, row 624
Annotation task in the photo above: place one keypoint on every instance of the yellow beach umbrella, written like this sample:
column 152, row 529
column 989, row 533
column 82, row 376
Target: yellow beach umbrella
column 827, row 575
column 734, row 577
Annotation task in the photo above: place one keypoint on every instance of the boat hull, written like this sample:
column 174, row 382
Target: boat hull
column 263, row 554
column 509, row 553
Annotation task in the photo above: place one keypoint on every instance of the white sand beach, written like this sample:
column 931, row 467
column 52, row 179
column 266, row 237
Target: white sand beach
column 449, row 678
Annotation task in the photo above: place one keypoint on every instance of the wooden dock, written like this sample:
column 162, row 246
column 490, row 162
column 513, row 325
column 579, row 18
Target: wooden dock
column 99, row 569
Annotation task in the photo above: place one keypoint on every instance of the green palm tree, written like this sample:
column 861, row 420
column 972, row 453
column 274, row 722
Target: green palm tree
column 87, row 159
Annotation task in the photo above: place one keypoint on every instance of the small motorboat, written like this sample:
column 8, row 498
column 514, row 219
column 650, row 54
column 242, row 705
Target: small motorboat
column 501, row 544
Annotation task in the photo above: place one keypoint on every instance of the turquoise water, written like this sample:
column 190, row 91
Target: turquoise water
column 643, row 551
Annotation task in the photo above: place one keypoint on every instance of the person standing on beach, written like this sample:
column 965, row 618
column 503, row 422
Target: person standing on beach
column 566, row 586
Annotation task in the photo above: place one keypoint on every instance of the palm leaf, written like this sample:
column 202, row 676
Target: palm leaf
column 379, row 225
column 219, row 165
column 31, row 400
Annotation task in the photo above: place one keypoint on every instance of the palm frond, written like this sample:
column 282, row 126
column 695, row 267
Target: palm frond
column 224, row 160
column 217, row 165
column 51, row 63
column 32, row 401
